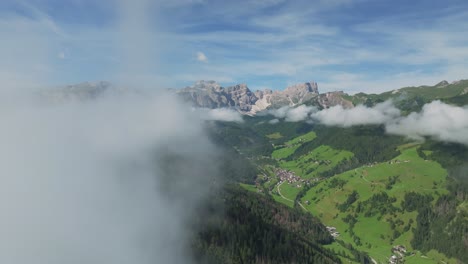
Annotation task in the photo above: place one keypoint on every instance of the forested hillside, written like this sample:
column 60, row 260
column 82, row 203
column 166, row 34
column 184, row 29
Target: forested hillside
column 253, row 228
column 444, row 226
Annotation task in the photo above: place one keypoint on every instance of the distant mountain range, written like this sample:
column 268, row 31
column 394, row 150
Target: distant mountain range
column 210, row 94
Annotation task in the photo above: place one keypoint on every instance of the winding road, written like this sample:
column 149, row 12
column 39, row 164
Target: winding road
column 287, row 199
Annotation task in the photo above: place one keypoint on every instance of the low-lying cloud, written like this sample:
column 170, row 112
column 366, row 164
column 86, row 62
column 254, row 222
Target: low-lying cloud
column 437, row 120
column 359, row 115
column 219, row 114
column 293, row 114
column 111, row 180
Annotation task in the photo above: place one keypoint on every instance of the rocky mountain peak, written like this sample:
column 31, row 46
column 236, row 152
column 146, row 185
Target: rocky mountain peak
column 330, row 99
column 210, row 94
column 442, row 84
column 302, row 88
column 239, row 87
column 205, row 85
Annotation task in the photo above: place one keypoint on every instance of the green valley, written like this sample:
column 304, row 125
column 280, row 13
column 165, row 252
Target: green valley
column 365, row 201
column 384, row 198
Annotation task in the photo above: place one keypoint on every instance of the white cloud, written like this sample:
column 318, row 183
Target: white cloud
column 292, row 114
column 201, row 57
column 359, row 115
column 219, row 114
column 274, row 121
column 436, row 120
column 427, row 51
column 299, row 113
column 113, row 180
column 280, row 112
column 100, row 181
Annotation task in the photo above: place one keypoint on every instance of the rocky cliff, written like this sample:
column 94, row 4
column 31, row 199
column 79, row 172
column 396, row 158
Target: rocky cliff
column 210, row 94
column 330, row 99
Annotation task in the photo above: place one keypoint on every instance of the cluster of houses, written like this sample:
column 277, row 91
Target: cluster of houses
column 399, row 252
column 288, row 176
column 333, row 232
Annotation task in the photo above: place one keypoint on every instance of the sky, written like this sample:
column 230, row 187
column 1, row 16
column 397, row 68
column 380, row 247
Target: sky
column 349, row 45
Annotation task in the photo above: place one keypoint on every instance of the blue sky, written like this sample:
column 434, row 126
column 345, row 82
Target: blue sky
column 350, row 45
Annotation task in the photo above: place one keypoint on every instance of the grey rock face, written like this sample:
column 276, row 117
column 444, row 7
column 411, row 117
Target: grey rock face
column 242, row 97
column 292, row 95
column 331, row 99
column 302, row 89
column 210, row 94
column 301, row 93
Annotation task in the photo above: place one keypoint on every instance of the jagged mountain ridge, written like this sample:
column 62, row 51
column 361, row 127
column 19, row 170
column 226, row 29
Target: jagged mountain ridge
column 209, row 94
column 248, row 102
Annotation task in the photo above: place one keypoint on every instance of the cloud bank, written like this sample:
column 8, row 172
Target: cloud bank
column 219, row 114
column 293, row 114
column 112, row 180
column 437, row 120
column 359, row 115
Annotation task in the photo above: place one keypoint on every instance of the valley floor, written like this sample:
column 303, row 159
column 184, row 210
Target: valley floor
column 363, row 206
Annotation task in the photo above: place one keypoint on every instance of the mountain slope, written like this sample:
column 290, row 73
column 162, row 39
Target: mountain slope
column 370, row 197
column 413, row 98
column 256, row 229
column 210, row 94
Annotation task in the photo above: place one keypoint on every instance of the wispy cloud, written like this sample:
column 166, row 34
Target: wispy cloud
column 61, row 55
column 100, row 172
column 201, row 57
column 115, row 171
column 298, row 44
column 263, row 43
column 219, row 114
